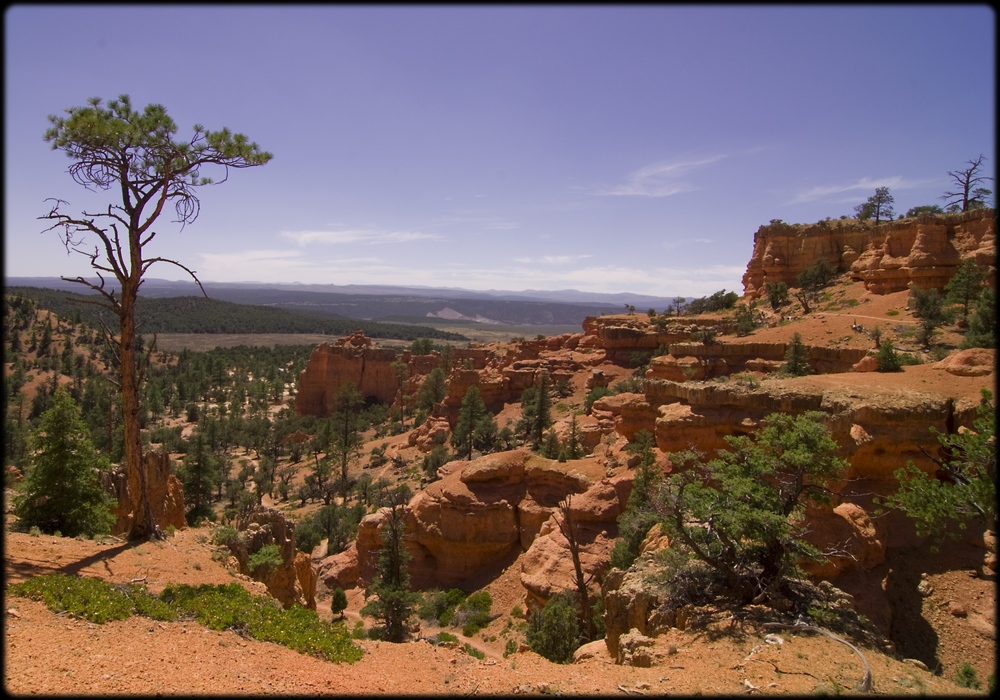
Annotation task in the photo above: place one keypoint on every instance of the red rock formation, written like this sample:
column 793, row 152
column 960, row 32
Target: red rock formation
column 433, row 431
column 166, row 495
column 878, row 430
column 847, row 536
column 975, row 362
column 330, row 368
column 476, row 515
column 694, row 361
column 547, row 566
column 888, row 258
column 293, row 581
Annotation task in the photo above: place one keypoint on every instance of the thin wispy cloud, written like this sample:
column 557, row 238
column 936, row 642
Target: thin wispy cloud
column 363, row 236
column 552, row 259
column 671, row 244
column 862, row 186
column 659, row 179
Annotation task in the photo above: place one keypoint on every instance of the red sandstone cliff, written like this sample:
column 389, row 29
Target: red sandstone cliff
column 924, row 251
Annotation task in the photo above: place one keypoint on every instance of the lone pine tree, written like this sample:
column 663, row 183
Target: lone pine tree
column 116, row 148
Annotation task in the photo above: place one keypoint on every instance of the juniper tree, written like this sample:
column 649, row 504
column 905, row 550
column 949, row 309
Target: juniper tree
column 928, row 307
column 346, row 425
column 777, row 293
column 888, row 360
column 535, row 412
column 134, row 154
column 878, row 207
column 966, row 490
column 741, row 512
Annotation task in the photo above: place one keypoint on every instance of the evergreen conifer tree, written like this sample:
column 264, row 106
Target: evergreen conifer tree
column 888, row 360
column 983, row 322
column 469, row 416
column 796, row 358
column 393, row 602
column 62, row 489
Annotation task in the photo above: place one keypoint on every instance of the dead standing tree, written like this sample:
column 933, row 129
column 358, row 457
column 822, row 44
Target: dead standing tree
column 116, row 147
column 568, row 529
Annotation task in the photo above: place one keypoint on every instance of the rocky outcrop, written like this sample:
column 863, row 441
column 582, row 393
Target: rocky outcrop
column 547, row 567
column 293, row 581
column 433, row 431
column 166, row 495
column 350, row 361
column 975, row 362
column 879, row 429
column 696, row 361
column 924, row 251
column 622, row 336
column 478, row 514
column 848, row 538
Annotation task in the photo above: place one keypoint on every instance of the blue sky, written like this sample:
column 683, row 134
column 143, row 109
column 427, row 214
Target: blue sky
column 605, row 149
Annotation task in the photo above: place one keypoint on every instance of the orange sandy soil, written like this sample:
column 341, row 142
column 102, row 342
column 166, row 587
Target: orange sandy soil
column 49, row 653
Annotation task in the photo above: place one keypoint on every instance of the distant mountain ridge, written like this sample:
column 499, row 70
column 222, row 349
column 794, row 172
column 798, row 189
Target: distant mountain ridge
column 395, row 303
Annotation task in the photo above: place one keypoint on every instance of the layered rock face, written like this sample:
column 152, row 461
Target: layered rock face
column 332, row 367
column 878, row 430
column 694, row 361
column 166, row 495
column 890, row 257
column 477, row 515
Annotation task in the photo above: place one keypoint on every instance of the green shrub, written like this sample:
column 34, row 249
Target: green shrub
column 265, row 560
column 596, row 393
column 965, row 676
column 474, row 612
column 509, row 648
column 91, row 599
column 307, row 535
column 338, row 601
column 442, row 637
column 472, row 651
column 631, row 385
column 226, row 536
column 892, row 312
column 888, row 360
column 553, row 631
column 232, row 607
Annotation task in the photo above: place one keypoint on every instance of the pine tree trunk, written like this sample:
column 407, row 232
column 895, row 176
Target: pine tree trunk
column 143, row 523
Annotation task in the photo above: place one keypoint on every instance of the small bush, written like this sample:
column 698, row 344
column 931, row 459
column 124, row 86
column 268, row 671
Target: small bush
column 226, row 536
column 516, row 611
column 265, row 560
column 553, row 630
column 966, row 677
column 474, row 612
column 596, row 393
column 892, row 312
column 338, row 601
column 631, row 385
column 473, row 652
column 509, row 648
column 442, row 637
column 888, row 360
